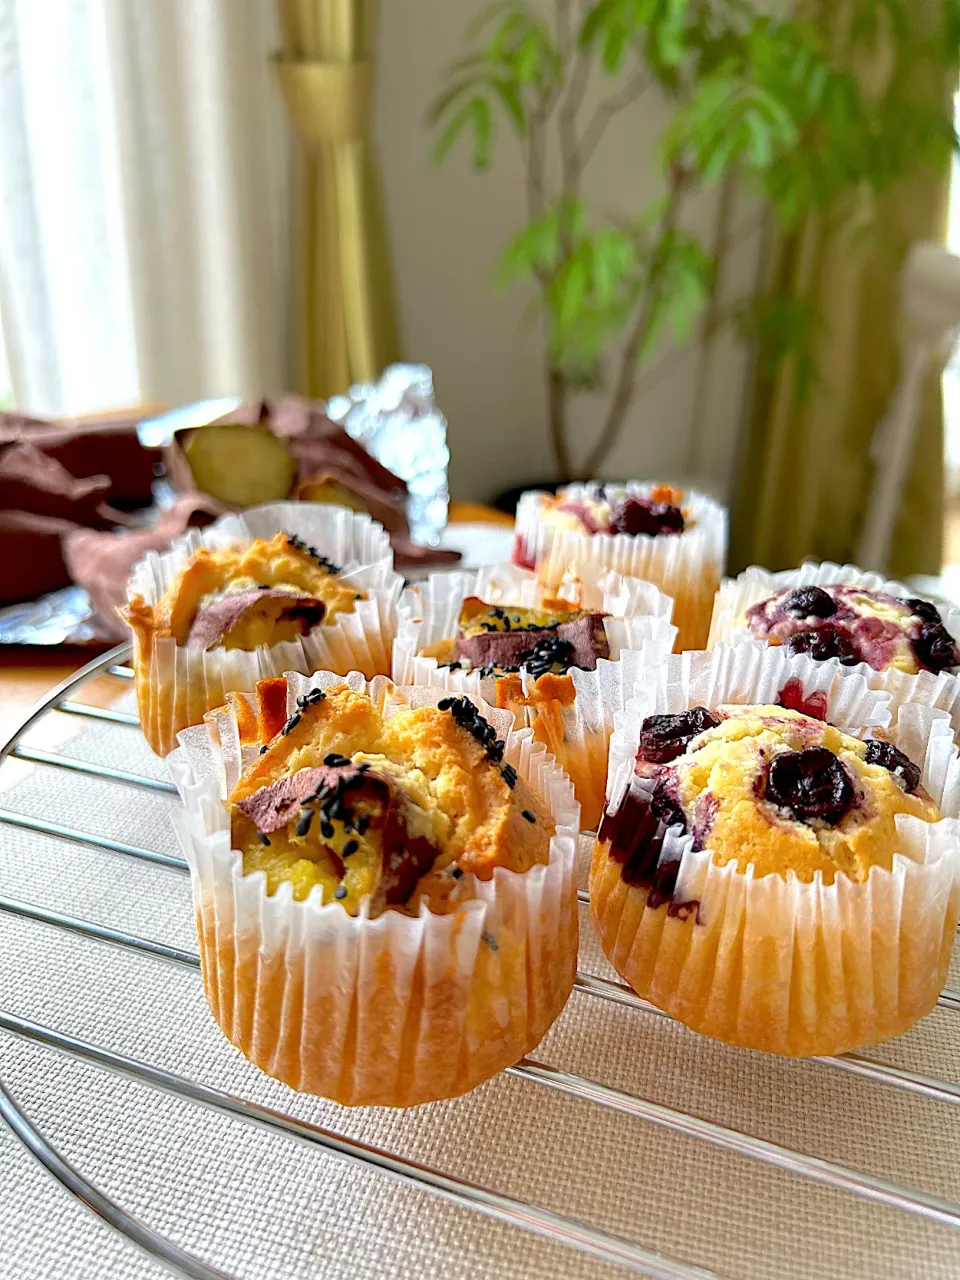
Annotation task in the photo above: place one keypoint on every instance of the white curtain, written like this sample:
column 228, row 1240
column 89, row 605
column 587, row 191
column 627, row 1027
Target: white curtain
column 143, row 202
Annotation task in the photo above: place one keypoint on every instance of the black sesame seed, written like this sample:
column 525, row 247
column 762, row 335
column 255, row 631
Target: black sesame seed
column 530, row 817
column 363, row 766
column 305, row 549
column 350, row 847
column 263, row 837
column 509, row 775
column 303, row 826
column 335, row 760
column 490, row 940
column 326, row 830
column 265, row 748
column 456, row 872
column 363, row 822
column 444, row 704
column 291, row 723
column 340, row 892
column 263, row 586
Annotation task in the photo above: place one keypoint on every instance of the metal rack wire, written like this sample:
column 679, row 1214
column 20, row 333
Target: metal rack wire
column 557, row 1227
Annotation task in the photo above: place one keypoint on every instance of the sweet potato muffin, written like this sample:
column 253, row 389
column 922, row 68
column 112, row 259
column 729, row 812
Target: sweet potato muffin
column 384, row 813
column 243, row 597
column 288, row 587
column 386, row 904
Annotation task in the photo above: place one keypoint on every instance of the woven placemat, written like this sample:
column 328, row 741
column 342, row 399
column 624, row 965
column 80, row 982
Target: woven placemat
column 264, row 1207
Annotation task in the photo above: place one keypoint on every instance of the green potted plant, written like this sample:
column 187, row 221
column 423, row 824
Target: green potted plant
column 777, row 105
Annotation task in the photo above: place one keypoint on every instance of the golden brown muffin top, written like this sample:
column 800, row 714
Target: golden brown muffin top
column 776, row 790
column 388, row 811
column 244, row 596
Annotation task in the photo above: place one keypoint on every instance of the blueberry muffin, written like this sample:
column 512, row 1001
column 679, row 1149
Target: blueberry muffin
column 757, row 880
column 672, row 538
column 217, row 613
column 386, row 905
column 856, row 624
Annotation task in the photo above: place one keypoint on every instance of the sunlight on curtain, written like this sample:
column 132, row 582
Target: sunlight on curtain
column 143, row 164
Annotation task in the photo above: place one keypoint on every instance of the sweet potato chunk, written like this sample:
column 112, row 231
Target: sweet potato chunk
column 239, row 465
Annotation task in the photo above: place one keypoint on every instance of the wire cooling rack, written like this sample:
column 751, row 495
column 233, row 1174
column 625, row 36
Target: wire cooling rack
column 557, row 1227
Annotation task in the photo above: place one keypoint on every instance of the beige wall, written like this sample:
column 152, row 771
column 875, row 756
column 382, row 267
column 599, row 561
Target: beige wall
column 448, row 226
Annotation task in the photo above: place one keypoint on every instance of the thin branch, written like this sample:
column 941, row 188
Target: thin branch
column 639, row 330
column 564, row 28
column 631, row 92
column 571, row 103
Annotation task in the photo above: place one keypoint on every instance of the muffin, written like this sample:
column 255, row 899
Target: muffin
column 288, row 586
column 772, row 880
column 562, row 664
column 384, row 886
column 674, row 539
column 838, row 612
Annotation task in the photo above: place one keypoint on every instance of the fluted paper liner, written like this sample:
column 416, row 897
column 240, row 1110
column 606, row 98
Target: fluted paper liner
column 736, row 595
column 176, row 685
column 685, row 566
column 772, row 962
column 396, row 1010
column 638, row 632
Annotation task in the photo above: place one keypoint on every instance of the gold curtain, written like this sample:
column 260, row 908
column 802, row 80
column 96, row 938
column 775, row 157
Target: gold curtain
column 343, row 322
column 805, row 477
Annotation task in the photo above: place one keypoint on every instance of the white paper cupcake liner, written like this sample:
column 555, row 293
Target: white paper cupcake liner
column 176, row 685
column 773, row 962
column 638, row 632
column 686, row 566
column 736, row 595
column 396, row 1010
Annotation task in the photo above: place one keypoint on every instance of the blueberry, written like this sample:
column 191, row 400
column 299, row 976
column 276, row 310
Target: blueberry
column 666, row 808
column 935, row 647
column 807, row 602
column 901, row 766
column 822, row 643
column 641, row 515
column 663, row 738
column 923, row 609
column 811, row 784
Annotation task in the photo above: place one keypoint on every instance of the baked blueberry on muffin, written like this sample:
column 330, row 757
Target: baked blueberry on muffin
column 385, row 895
column 672, row 538
column 284, row 587
column 855, row 624
column 657, row 514
column 761, row 878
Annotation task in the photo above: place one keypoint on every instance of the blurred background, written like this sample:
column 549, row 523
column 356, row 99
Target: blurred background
column 631, row 238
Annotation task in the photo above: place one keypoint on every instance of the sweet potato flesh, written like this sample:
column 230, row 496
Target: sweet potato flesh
column 239, row 465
